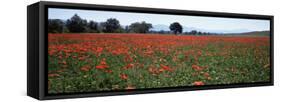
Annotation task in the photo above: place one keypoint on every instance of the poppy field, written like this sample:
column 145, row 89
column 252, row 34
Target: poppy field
column 106, row 62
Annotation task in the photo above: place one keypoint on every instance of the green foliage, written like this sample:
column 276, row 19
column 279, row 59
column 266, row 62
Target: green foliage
column 176, row 27
column 92, row 27
column 76, row 24
column 111, row 25
column 138, row 27
column 55, row 26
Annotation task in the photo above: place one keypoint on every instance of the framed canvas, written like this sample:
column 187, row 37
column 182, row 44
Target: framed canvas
column 86, row 50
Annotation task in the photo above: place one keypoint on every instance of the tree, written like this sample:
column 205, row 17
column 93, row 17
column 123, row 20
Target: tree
column 92, row 27
column 55, row 26
column 111, row 25
column 101, row 27
column 194, row 32
column 199, row 33
column 76, row 24
column 138, row 27
column 127, row 29
column 176, row 28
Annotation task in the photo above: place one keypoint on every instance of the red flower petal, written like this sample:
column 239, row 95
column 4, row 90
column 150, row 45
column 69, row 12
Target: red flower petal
column 198, row 83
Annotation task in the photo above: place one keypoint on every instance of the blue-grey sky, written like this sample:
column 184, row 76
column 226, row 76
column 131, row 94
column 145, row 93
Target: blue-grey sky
column 126, row 18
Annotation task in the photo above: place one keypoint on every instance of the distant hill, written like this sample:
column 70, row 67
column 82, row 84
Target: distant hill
column 254, row 33
column 160, row 27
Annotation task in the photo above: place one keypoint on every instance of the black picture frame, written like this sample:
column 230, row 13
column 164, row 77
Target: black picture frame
column 37, row 46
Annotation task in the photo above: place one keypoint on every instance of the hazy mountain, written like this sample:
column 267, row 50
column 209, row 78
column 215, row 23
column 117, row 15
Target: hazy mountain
column 254, row 33
column 188, row 29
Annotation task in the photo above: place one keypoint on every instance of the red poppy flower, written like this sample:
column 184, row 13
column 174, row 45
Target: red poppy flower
column 101, row 66
column 124, row 76
column 99, row 49
column 129, row 66
column 198, row 83
column 161, row 70
column 206, row 74
column 166, row 68
column 128, row 58
column 196, row 67
column 103, row 62
column 85, row 68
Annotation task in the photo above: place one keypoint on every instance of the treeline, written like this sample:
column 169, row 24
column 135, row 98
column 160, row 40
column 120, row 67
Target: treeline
column 78, row 25
column 192, row 32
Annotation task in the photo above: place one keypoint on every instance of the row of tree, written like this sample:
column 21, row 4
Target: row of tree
column 78, row 25
column 192, row 32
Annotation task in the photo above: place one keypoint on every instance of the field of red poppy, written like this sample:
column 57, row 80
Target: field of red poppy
column 102, row 62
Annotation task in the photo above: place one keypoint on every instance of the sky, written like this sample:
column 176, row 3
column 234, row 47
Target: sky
column 126, row 18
